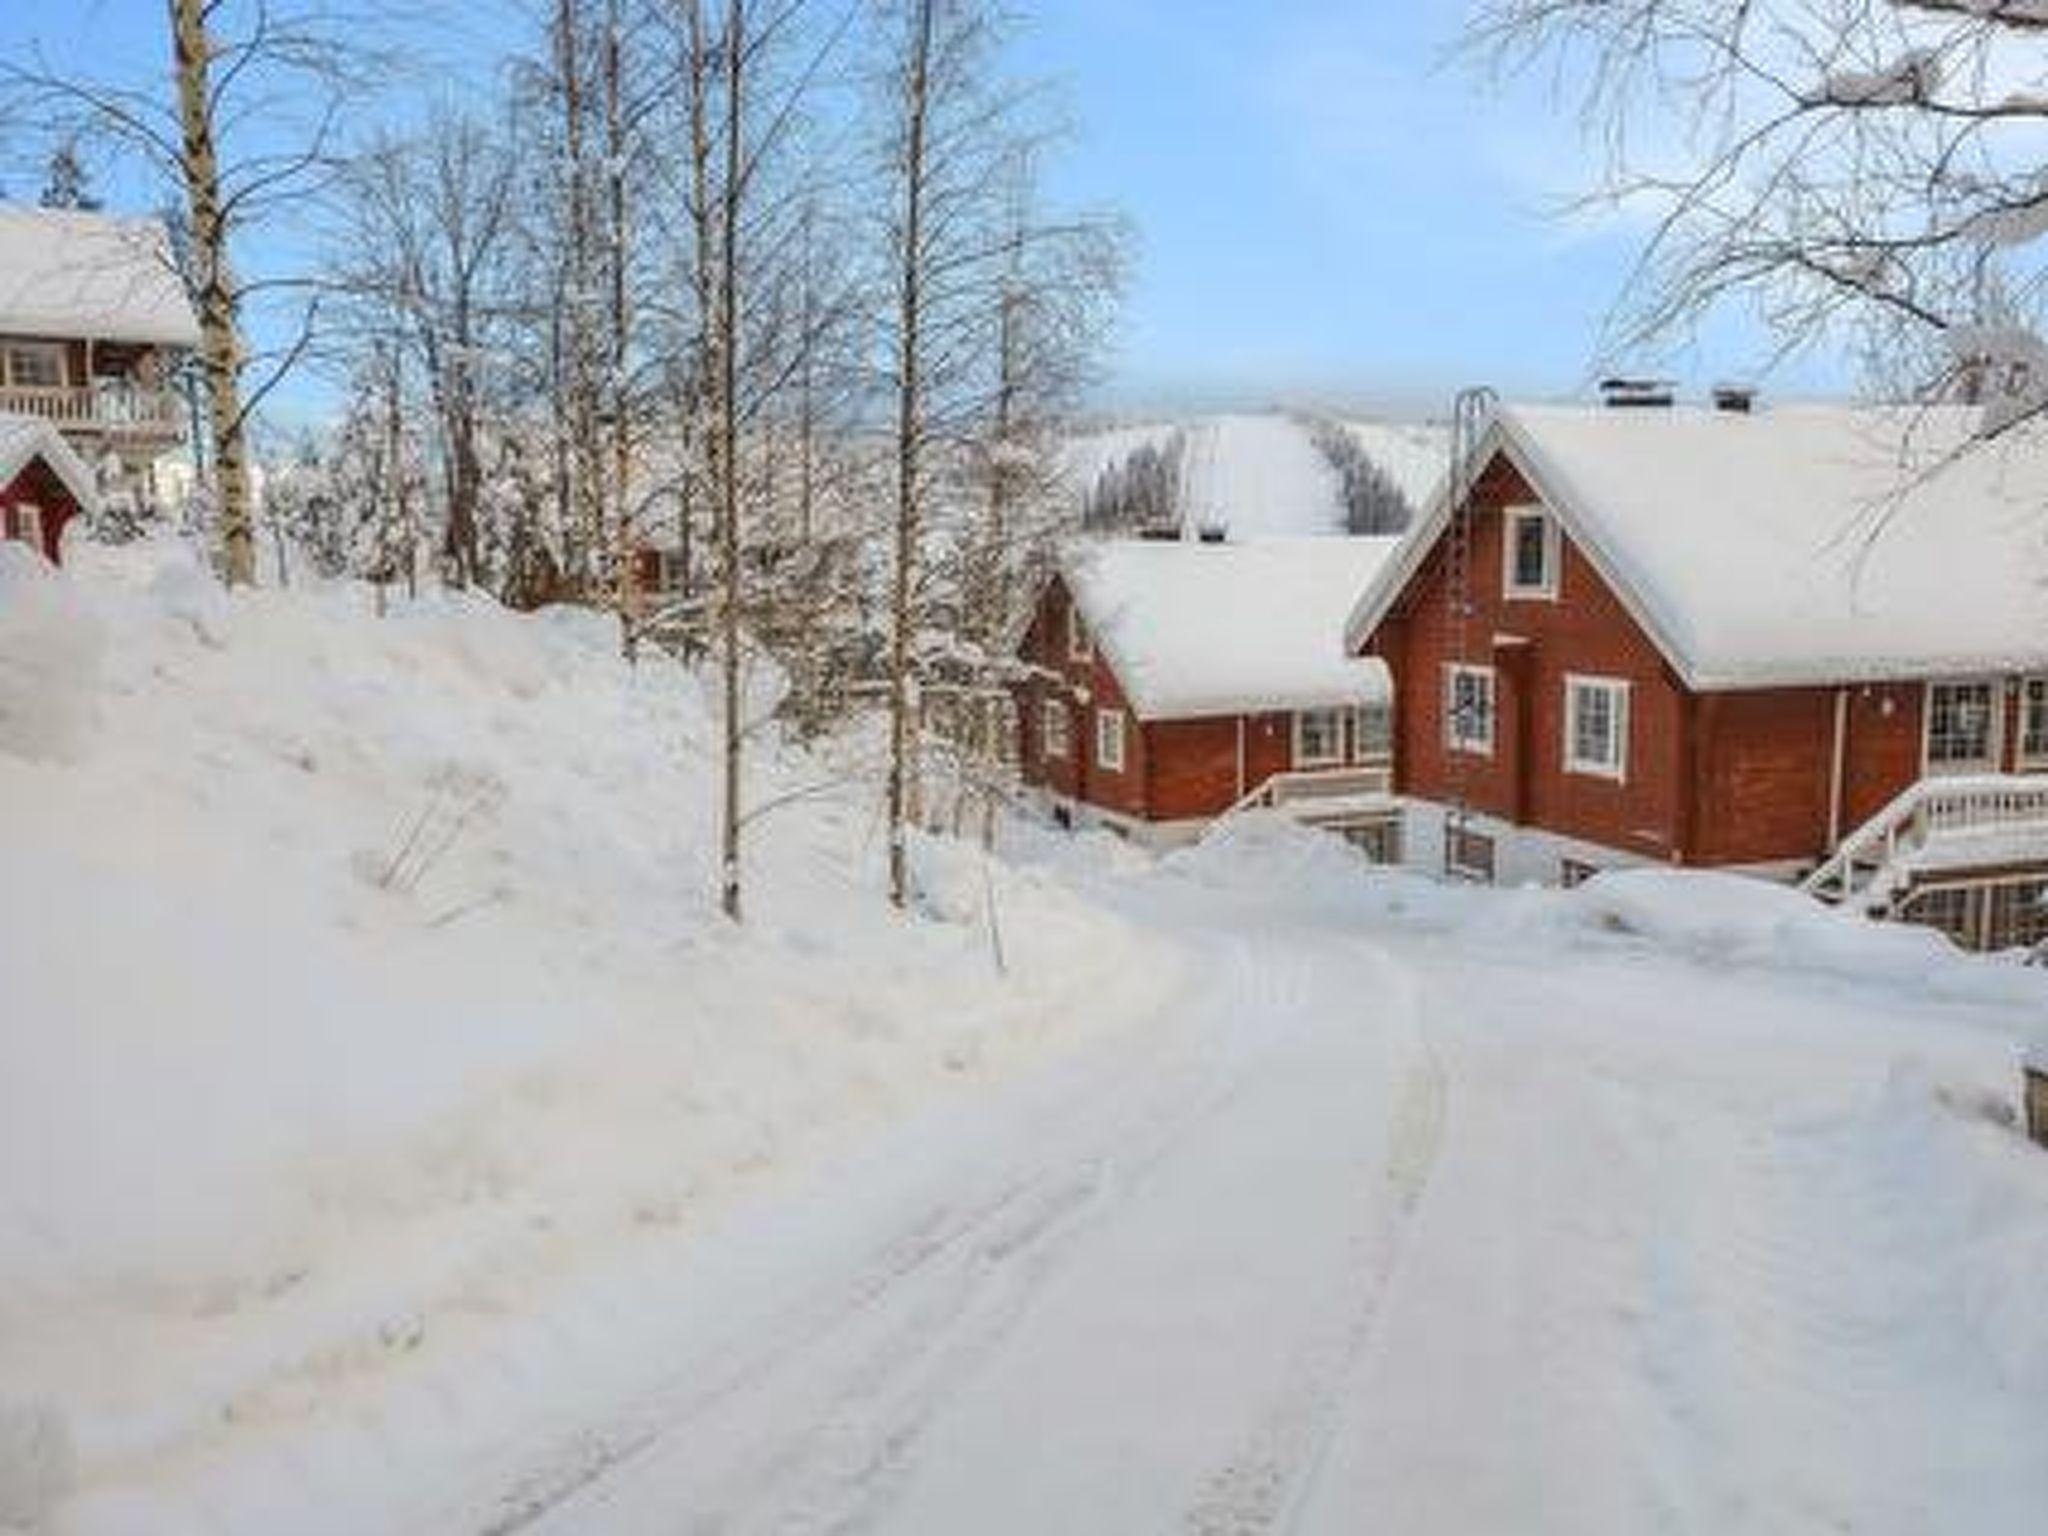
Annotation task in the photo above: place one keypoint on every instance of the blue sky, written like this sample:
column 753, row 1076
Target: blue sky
column 1325, row 203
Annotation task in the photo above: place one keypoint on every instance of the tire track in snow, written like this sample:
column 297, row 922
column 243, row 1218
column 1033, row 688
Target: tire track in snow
column 1263, row 1487
column 963, row 1272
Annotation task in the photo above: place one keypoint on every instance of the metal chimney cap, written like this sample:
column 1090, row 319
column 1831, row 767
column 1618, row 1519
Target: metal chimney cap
column 1624, row 393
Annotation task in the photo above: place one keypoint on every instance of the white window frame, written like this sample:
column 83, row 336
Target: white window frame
column 44, row 349
column 1079, row 647
column 1617, row 690
column 1360, row 752
column 1994, row 745
column 1109, row 740
column 1512, row 519
column 1473, row 746
column 1335, row 756
column 29, row 526
column 1055, row 728
column 2037, row 756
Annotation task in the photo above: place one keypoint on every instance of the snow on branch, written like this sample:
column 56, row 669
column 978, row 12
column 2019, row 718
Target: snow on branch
column 1911, row 80
column 2025, row 15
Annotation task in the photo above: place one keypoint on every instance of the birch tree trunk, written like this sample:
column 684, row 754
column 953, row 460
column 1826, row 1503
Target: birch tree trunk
column 909, row 432
column 220, row 339
column 728, row 467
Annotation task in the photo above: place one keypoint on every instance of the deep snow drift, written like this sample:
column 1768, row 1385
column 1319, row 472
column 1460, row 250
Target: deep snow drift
column 392, row 1138
column 360, row 985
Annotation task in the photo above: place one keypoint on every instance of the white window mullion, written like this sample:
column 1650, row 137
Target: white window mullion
column 1596, row 726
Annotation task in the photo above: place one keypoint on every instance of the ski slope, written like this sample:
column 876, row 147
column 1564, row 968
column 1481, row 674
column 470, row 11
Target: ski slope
column 1260, row 474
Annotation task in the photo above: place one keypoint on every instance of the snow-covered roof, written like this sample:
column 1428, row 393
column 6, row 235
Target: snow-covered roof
column 24, row 438
column 90, row 276
column 1799, row 544
column 1195, row 629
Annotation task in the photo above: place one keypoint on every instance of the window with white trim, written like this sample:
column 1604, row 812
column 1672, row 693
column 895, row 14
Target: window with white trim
column 1375, row 732
column 1596, row 726
column 1529, row 553
column 1468, row 708
column 1077, row 635
column 1109, row 740
column 28, row 524
column 35, row 364
column 1053, row 728
column 1962, row 727
column 2034, row 722
column 1318, row 738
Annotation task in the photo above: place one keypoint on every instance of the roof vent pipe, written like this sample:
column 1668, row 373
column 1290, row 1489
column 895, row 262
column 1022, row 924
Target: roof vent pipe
column 1636, row 394
column 1735, row 399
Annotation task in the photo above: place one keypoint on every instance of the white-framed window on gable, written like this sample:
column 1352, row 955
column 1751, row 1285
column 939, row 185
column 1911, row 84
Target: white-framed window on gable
column 2034, row 723
column 35, row 364
column 1962, row 727
column 1529, row 553
column 1318, row 738
column 1596, row 726
column 1468, row 708
column 1109, row 740
column 1078, row 647
column 1055, row 733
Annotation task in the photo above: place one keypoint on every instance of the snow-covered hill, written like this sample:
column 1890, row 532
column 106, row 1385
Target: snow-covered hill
column 360, row 986
column 1261, row 473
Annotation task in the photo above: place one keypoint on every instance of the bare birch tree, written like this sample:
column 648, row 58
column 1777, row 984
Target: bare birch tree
column 244, row 122
column 1860, row 169
column 991, row 311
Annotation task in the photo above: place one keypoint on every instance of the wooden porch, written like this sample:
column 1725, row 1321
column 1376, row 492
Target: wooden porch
column 1967, row 854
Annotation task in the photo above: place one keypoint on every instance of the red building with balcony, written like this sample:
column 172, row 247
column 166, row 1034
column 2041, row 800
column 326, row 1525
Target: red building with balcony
column 94, row 321
column 1171, row 680
column 1811, row 642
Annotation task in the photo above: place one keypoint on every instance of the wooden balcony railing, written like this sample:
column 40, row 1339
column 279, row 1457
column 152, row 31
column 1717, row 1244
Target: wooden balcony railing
column 1300, row 790
column 115, row 410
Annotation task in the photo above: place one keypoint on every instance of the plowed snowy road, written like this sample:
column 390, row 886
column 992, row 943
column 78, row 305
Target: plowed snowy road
column 1360, row 1235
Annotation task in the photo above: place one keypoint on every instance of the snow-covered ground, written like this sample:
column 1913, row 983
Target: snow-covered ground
column 1260, row 474
column 1262, row 1191
column 360, row 988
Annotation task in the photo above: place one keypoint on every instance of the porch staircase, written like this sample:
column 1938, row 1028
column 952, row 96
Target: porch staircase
column 1978, row 822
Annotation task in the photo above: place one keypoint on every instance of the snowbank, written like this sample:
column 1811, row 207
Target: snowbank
column 364, row 985
column 50, row 649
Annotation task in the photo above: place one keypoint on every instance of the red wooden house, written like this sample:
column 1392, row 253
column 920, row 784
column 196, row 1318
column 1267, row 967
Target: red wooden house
column 1811, row 642
column 1170, row 680
column 94, row 320
column 43, row 484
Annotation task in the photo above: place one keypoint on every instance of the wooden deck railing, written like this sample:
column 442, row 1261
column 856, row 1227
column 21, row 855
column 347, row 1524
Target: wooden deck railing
column 1932, row 809
column 1302, row 787
column 148, row 412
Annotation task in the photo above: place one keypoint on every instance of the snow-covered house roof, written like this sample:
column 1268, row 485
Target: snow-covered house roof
column 90, row 276
column 1193, row 628
column 24, row 439
column 1801, row 544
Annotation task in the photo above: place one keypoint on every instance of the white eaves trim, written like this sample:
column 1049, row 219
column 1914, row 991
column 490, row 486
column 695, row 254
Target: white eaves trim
column 25, row 438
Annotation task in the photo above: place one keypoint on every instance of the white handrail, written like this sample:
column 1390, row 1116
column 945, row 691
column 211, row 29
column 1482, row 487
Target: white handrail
column 1375, row 776
column 112, row 407
column 1929, row 808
